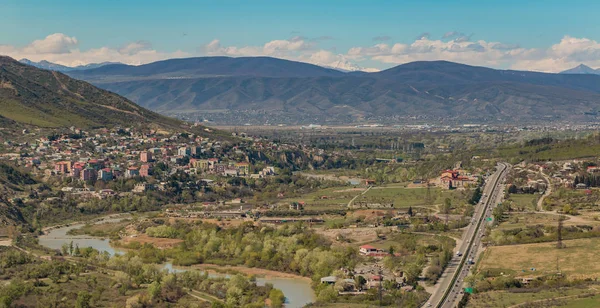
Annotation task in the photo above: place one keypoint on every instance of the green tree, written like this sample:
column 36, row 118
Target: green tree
column 327, row 295
column 64, row 249
column 83, row 300
column 154, row 290
column 447, row 206
column 412, row 272
column 277, row 298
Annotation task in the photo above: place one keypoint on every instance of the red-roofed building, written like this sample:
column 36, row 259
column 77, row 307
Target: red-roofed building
column 448, row 176
column 63, row 167
column 592, row 169
column 243, row 168
column 367, row 249
column 105, row 174
column 132, row 172
column 146, row 156
column 145, row 170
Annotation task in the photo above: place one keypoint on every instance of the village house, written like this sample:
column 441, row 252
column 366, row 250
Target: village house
column 132, row 172
column 453, row 178
column 145, row 156
column 243, row 168
column 141, row 187
column 593, row 169
column 145, row 170
column 374, row 281
column 63, row 167
column 184, row 151
column 105, row 174
column 88, row 174
column 367, row 249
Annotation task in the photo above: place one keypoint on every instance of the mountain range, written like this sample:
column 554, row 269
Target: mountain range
column 62, row 68
column 33, row 96
column 582, row 69
column 437, row 90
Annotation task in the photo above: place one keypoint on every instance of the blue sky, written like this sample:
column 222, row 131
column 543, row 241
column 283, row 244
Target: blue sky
column 329, row 29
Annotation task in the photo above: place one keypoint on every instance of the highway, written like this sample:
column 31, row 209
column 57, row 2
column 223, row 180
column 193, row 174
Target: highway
column 448, row 292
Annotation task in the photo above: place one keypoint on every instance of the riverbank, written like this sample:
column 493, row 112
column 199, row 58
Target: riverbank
column 45, row 230
column 296, row 289
column 261, row 272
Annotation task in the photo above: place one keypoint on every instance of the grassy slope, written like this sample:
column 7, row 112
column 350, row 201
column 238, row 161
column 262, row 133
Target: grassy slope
column 11, row 182
column 49, row 99
column 557, row 150
column 577, row 260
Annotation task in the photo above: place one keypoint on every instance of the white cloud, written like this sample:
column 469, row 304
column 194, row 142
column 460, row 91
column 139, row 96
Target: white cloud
column 56, row 43
column 297, row 48
column 62, row 49
column 567, row 53
column 135, row 47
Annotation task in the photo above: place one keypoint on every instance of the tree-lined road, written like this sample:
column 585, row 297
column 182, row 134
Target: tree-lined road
column 447, row 293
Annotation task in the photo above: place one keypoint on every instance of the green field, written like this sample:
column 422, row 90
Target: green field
column 401, row 240
column 589, row 302
column 521, row 220
column 403, row 197
column 326, row 198
column 501, row 299
column 565, row 149
column 577, row 260
column 525, row 201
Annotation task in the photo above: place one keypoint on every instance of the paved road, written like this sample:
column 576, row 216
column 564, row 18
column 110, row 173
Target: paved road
column 448, row 291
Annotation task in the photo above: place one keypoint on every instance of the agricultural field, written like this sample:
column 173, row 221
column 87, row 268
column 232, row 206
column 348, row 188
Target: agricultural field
column 402, row 197
column 522, row 219
column 577, row 260
column 564, row 297
column 328, row 197
column 524, row 201
column 409, row 242
column 557, row 150
column 587, row 302
column 578, row 199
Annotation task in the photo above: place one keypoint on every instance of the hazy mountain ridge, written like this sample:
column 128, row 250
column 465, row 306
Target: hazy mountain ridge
column 582, row 69
column 435, row 88
column 63, row 68
column 209, row 67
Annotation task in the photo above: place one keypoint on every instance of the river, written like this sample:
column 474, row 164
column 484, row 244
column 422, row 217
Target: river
column 297, row 292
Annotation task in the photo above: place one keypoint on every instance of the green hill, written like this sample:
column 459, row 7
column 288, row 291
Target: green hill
column 12, row 183
column 38, row 97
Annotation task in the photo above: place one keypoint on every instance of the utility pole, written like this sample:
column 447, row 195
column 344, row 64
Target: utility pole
column 380, row 287
column 428, row 193
column 559, row 243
